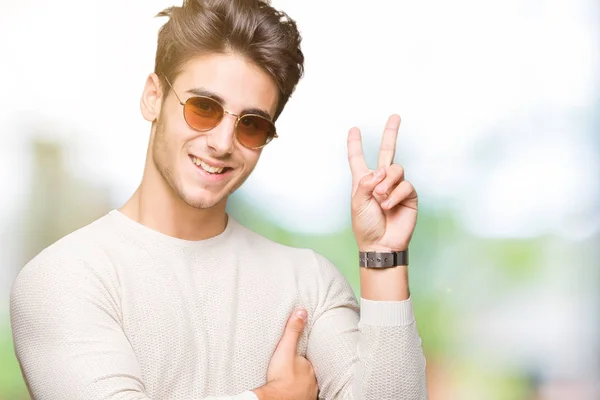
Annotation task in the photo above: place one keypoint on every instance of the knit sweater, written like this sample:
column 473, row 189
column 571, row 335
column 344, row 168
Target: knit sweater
column 116, row 310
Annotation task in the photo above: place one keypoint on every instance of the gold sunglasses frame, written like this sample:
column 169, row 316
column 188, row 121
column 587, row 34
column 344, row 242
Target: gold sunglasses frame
column 237, row 120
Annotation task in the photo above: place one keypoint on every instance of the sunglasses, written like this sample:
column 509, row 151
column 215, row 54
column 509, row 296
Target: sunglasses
column 203, row 113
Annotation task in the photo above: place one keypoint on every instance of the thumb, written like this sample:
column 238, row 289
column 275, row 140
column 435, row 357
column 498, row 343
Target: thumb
column 366, row 186
column 291, row 334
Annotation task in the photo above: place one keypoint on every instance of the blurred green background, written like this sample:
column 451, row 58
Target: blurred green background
column 501, row 119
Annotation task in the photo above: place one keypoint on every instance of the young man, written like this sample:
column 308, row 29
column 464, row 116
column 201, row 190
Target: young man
column 169, row 298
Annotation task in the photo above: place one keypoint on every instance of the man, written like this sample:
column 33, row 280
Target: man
column 169, row 298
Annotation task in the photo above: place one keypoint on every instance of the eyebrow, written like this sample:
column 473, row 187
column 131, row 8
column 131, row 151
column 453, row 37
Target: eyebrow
column 214, row 96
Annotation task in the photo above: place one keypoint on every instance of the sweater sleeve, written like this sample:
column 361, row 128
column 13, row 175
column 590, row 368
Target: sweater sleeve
column 68, row 338
column 373, row 353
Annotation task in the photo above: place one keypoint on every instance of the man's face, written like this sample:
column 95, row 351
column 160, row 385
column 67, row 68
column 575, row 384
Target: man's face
column 177, row 149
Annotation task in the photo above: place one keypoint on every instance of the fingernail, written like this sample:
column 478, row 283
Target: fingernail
column 385, row 204
column 380, row 189
column 301, row 314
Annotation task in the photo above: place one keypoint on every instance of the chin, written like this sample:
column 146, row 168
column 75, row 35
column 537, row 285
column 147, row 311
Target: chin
column 202, row 202
column 201, row 199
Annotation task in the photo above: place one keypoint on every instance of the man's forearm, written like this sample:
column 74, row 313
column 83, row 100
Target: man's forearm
column 388, row 315
column 391, row 361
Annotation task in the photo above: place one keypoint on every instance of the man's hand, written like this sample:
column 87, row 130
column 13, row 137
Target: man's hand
column 290, row 376
column 384, row 204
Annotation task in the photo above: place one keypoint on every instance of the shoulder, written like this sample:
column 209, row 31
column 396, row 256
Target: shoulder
column 64, row 290
column 80, row 253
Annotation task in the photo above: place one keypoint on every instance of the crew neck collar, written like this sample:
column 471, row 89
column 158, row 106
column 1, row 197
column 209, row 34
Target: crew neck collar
column 149, row 235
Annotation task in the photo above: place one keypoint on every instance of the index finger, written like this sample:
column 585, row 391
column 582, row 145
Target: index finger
column 356, row 158
column 388, row 142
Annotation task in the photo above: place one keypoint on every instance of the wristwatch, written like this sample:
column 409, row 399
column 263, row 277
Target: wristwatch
column 377, row 260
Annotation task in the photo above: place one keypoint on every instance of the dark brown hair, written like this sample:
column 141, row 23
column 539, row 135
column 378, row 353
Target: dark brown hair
column 251, row 28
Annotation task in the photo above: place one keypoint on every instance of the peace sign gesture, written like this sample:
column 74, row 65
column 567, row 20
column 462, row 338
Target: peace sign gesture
column 384, row 205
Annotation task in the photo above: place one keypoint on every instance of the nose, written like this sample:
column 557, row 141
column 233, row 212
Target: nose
column 220, row 138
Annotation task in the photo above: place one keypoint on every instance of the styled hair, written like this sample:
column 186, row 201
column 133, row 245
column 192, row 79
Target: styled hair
column 251, row 28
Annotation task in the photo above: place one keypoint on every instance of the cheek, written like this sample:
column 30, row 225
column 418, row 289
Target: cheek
column 172, row 135
column 165, row 146
column 251, row 158
column 160, row 148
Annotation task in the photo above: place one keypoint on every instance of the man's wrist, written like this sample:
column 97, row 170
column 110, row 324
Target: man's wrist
column 377, row 259
column 380, row 248
column 388, row 284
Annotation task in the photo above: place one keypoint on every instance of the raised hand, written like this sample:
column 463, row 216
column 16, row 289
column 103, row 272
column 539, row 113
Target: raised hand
column 384, row 204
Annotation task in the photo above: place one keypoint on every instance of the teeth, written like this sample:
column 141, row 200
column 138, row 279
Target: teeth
column 206, row 167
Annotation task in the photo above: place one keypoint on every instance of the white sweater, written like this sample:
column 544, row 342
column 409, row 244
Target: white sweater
column 116, row 310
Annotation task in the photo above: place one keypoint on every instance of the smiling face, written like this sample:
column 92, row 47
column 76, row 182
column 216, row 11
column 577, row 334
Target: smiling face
column 204, row 168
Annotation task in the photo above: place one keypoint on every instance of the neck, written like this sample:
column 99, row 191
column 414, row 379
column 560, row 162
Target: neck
column 155, row 205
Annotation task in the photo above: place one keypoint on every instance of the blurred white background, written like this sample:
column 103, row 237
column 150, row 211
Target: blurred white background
column 500, row 102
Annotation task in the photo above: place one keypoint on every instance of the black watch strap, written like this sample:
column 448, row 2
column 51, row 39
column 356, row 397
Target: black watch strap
column 374, row 259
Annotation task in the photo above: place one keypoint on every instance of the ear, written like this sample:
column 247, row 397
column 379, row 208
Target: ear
column 151, row 100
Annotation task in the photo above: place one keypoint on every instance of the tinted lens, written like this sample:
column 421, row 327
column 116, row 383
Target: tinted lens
column 202, row 113
column 254, row 131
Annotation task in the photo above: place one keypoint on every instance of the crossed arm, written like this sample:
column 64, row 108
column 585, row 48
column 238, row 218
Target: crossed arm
column 70, row 343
